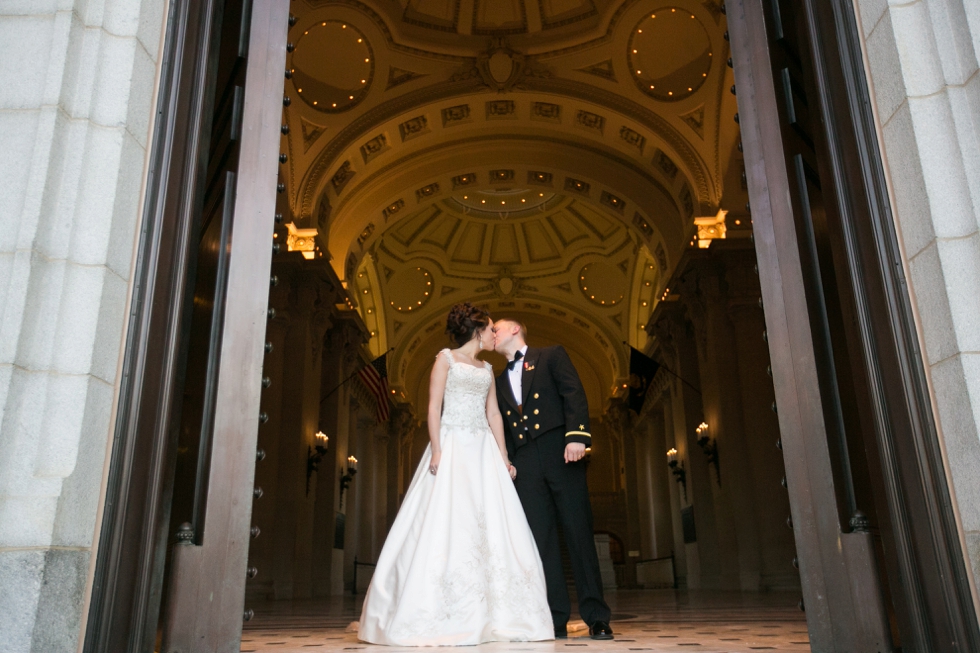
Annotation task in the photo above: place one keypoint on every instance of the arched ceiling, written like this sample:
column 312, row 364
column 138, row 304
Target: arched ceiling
column 546, row 159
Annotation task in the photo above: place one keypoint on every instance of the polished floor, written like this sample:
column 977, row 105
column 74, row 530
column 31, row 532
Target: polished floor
column 653, row 620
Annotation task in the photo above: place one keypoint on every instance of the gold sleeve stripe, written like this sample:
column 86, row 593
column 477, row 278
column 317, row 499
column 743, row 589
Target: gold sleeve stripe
column 571, row 433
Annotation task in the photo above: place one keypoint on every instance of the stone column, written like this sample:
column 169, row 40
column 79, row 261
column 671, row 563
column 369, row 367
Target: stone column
column 619, row 416
column 360, row 505
column 704, row 558
column 703, row 292
column 77, row 109
column 298, row 422
column 379, row 490
column 341, row 358
column 401, row 428
column 777, row 548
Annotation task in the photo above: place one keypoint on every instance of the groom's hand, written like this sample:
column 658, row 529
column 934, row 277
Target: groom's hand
column 574, row 452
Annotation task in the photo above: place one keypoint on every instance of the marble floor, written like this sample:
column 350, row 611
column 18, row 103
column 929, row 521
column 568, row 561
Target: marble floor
column 644, row 620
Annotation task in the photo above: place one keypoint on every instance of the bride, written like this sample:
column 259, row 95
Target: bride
column 460, row 566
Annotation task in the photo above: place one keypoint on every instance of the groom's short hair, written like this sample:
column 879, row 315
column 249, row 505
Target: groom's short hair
column 518, row 323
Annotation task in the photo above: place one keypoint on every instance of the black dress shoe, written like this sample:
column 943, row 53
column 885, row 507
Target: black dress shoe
column 600, row 630
column 561, row 633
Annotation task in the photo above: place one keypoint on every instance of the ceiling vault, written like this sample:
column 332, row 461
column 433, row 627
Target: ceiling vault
column 547, row 159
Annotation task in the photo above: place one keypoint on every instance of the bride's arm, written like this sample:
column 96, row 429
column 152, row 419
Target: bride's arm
column 437, row 388
column 496, row 422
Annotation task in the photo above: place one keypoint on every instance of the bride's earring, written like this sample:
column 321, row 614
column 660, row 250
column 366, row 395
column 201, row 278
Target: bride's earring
column 481, row 342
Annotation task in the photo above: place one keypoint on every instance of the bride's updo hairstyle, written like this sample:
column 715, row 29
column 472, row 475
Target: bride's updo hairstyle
column 464, row 320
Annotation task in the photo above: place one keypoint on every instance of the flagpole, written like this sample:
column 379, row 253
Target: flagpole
column 344, row 382
column 670, row 371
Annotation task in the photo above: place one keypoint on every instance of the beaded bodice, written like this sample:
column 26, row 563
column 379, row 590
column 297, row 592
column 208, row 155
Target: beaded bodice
column 464, row 403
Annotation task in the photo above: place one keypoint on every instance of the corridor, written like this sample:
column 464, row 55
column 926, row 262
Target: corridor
column 644, row 620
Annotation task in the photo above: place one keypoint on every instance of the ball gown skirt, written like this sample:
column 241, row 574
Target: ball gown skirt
column 460, row 566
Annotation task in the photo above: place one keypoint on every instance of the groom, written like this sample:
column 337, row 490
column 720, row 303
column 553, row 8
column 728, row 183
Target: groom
column 546, row 420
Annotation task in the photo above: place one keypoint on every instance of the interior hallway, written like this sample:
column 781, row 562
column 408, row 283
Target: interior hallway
column 644, row 620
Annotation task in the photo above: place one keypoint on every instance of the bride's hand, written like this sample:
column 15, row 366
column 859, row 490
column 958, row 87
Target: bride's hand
column 434, row 463
column 513, row 472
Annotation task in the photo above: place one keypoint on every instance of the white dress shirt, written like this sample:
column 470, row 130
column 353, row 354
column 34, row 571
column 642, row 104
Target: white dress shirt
column 515, row 376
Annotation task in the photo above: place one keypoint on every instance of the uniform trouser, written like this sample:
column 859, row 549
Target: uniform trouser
column 552, row 492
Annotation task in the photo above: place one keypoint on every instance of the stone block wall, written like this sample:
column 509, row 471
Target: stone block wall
column 922, row 59
column 77, row 86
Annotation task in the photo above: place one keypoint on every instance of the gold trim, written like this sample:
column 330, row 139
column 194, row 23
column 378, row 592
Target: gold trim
column 570, row 433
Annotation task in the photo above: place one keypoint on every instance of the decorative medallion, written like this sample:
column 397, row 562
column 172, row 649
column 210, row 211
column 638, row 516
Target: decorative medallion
column 539, row 178
column 546, row 111
column 393, row 208
column 374, row 147
column 497, row 109
column 341, row 177
column 461, row 181
column 412, row 287
column 427, row 191
column 414, row 127
column 345, row 81
column 669, row 54
column 590, row 120
column 577, row 186
column 455, row 115
column 641, row 223
column 602, row 284
column 633, row 138
column 613, row 202
column 501, row 176
column 666, row 164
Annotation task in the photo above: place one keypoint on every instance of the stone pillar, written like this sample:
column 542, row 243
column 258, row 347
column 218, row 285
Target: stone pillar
column 662, row 536
column 341, row 358
column 401, row 428
column 776, row 545
column 77, row 113
column 703, row 291
column 360, row 499
column 619, row 416
column 379, row 491
column 705, row 557
column 298, row 422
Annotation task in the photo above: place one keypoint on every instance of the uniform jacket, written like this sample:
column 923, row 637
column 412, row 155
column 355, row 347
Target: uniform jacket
column 553, row 399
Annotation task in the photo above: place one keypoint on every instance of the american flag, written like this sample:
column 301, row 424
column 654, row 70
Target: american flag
column 374, row 376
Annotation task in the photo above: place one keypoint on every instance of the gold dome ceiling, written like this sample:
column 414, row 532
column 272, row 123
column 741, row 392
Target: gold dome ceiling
column 510, row 153
column 531, row 262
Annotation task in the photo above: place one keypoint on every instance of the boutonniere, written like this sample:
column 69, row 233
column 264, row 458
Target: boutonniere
column 528, row 366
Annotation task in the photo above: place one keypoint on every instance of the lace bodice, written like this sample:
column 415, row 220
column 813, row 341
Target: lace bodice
column 464, row 404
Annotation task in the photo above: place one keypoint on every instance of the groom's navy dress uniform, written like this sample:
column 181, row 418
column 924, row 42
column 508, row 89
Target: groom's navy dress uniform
column 552, row 412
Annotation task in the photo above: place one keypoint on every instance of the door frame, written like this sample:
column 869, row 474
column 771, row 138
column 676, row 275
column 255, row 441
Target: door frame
column 125, row 602
column 127, row 591
column 932, row 597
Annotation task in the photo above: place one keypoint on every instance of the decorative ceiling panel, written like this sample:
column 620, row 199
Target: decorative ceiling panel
column 504, row 249
column 469, row 249
column 540, row 246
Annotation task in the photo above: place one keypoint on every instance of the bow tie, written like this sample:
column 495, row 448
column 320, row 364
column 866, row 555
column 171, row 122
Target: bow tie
column 517, row 357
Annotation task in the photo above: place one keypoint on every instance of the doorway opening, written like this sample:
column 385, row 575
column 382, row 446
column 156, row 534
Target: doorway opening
column 581, row 168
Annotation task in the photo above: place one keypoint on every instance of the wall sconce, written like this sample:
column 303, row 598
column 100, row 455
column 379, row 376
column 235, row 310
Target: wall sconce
column 348, row 477
column 709, row 446
column 677, row 469
column 314, row 455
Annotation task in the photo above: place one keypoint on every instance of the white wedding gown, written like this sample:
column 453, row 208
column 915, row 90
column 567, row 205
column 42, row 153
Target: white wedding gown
column 460, row 566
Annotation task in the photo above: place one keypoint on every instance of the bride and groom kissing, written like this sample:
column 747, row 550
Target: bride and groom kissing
column 473, row 555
